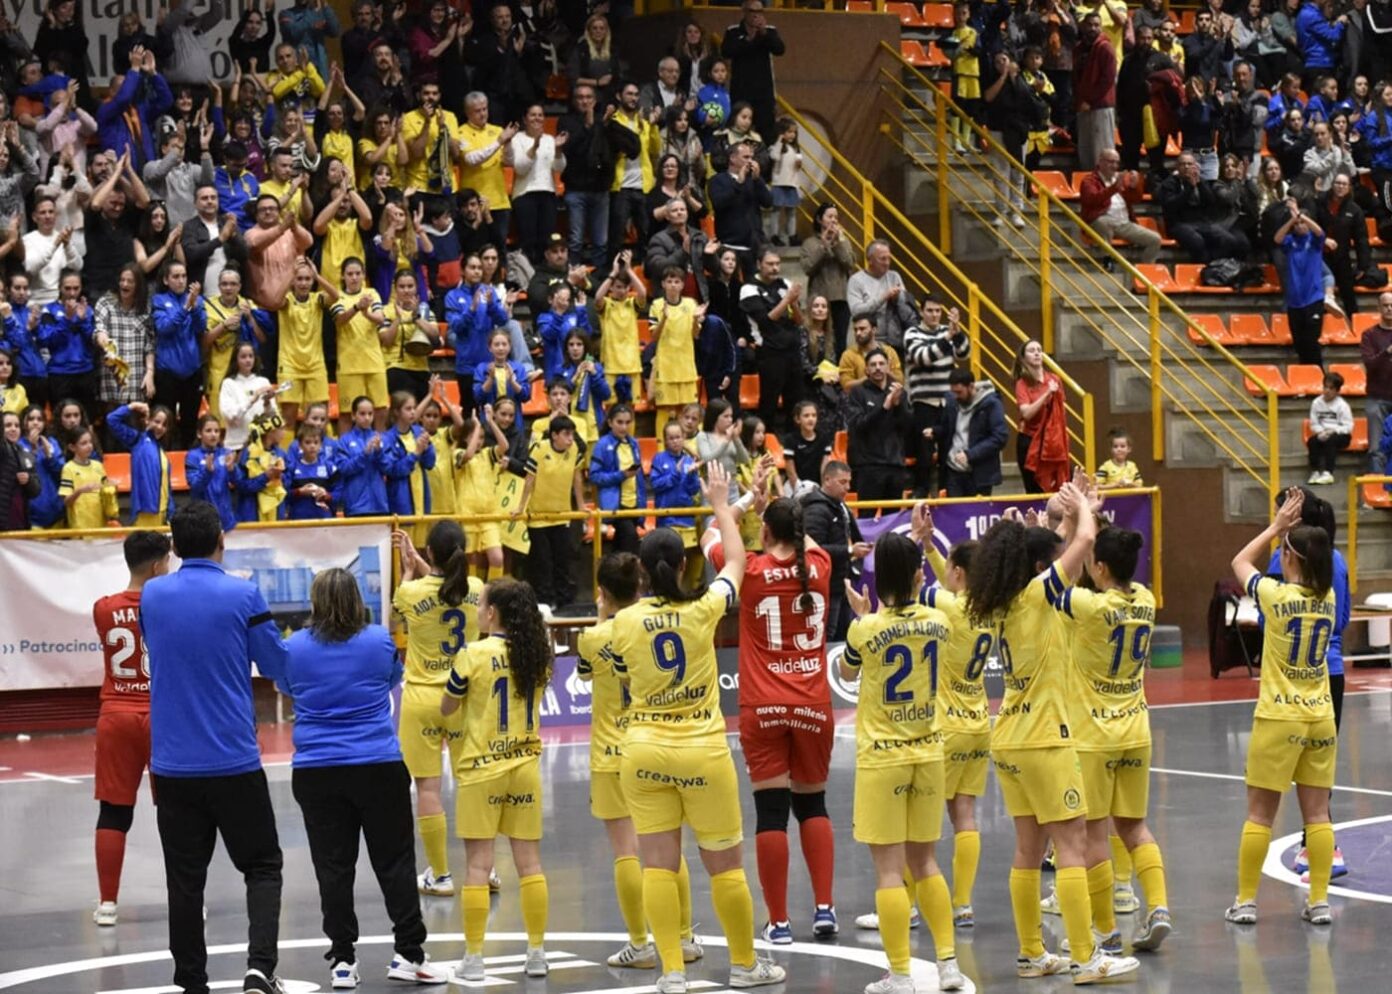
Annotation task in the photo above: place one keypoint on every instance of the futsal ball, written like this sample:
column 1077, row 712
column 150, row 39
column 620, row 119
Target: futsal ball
column 714, row 112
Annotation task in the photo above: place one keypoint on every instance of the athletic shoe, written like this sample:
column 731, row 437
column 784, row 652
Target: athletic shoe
column 1124, row 900
column 1242, row 913
column 964, row 917
column 692, row 950
column 1050, row 905
column 536, row 965
column 1302, row 855
column 871, row 920
column 1340, row 868
column 470, row 968
column 637, row 957
column 778, row 933
column 1102, row 967
column 1149, row 936
column 1332, row 305
column 1314, row 478
column 256, row 982
column 1317, row 914
column 1050, row 861
column 761, row 974
column 671, row 983
column 1046, row 964
column 950, row 975
column 1108, row 944
column 105, row 915
column 495, row 882
column 344, row 976
column 891, row 983
column 432, row 886
column 824, row 924
column 424, row 972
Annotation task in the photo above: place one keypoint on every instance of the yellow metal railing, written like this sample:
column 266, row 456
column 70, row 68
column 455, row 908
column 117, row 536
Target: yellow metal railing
column 866, row 214
column 1154, row 339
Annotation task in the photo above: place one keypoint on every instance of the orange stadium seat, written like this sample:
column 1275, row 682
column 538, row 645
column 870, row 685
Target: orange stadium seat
column 1268, row 376
column 1215, row 326
column 1146, row 221
column 1358, row 441
column 1375, row 495
column 537, row 405
column 1374, row 239
column 647, row 449
column 1157, row 274
column 1186, row 22
column 1250, row 329
column 1336, row 331
column 749, row 392
column 1056, row 183
column 1305, row 381
column 1280, row 329
column 774, row 448
column 938, row 15
column 177, row 478
column 451, row 389
column 838, row 446
column 909, row 15
column 860, row 6
column 333, row 401
column 918, row 54
column 1355, row 377
column 118, row 470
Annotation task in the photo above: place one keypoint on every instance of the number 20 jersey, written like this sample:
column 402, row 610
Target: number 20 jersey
column 126, row 680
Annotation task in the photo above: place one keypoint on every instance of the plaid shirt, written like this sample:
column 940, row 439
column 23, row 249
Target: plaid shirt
column 133, row 334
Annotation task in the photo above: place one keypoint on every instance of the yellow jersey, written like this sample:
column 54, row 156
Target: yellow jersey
column 476, row 483
column 1109, row 474
column 500, row 727
column 487, row 177
column 420, row 172
column 441, row 475
column 220, row 354
column 366, row 146
column 618, row 338
column 1297, row 626
column 301, row 336
column 962, row 704
column 342, row 240
column 339, row 145
column 1110, row 635
column 91, row 509
column 405, row 321
column 13, row 398
column 666, row 650
column 1034, row 654
column 896, row 650
column 359, row 345
column 555, row 473
column 675, row 360
column 435, row 631
column 609, row 697
column 276, row 188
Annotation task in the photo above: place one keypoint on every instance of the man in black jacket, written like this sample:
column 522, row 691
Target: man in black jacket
column 588, row 174
column 877, row 416
column 736, row 196
column 1190, row 207
column 1207, row 48
column 555, row 268
column 750, row 46
column 828, row 521
column 507, row 62
column 211, row 243
column 970, row 435
column 770, row 301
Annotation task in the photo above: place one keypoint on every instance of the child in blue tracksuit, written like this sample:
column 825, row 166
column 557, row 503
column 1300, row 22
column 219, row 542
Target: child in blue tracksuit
column 65, row 330
column 407, row 453
column 499, row 376
column 588, row 384
column 20, row 339
column 472, row 311
column 47, row 509
column 360, row 464
column 209, row 469
column 310, row 477
column 616, row 470
column 152, row 487
column 676, row 482
column 556, row 325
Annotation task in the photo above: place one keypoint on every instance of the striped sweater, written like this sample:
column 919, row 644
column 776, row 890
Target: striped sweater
column 929, row 354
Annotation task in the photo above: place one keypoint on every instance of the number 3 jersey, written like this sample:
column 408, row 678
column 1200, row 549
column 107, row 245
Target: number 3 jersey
column 1111, row 647
column 896, row 651
column 1298, row 625
column 126, row 682
column 435, row 631
column 500, row 727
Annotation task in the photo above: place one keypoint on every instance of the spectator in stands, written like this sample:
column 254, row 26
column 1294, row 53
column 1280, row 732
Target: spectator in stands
column 1043, row 464
column 1326, row 159
column 383, row 84
column 713, row 101
column 683, row 246
column 1190, row 204
column 47, row 252
column 126, row 120
column 737, row 195
column 357, row 42
column 173, row 179
column 636, row 143
column 61, row 40
column 482, row 151
column 1321, row 37
column 110, row 225
column 427, row 132
column 1375, row 348
column 273, row 245
column 1150, row 14
column 1198, row 120
column 1302, row 240
column 828, row 260
column 1255, row 41
column 237, row 189
column 877, row 418
column 1375, row 128
column 250, row 41
column 1331, row 429
column 1289, row 143
column 969, row 435
column 1108, row 199
column 1287, row 96
column 191, row 56
column 930, row 349
column 665, row 92
column 739, row 129
column 1345, row 230
column 694, row 51
column 19, row 481
column 1168, row 45
column 1011, row 113
column 130, row 32
column 122, row 324
column 508, row 61
column 1240, row 193
column 669, row 187
column 771, row 305
column 535, row 158
column 1133, row 94
column 864, row 340
column 680, row 139
column 306, row 26
column 588, row 173
column 555, row 268
column 211, row 242
column 437, row 50
column 594, row 63
column 750, row 46
column 828, row 522
column 1208, row 48
column 1052, row 28
column 1094, row 90
column 65, row 331
column 1242, row 118
column 879, row 290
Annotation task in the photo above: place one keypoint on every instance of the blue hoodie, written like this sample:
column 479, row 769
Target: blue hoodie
column 363, row 491
column 48, row 508
column 472, row 326
column 149, row 465
column 1376, row 129
column 342, row 692
column 608, row 478
column 21, row 341
column 595, row 394
column 675, row 484
column 554, row 329
column 486, row 385
column 399, row 463
column 149, row 95
column 1318, row 37
column 69, row 341
column 299, row 473
column 215, row 485
column 178, row 334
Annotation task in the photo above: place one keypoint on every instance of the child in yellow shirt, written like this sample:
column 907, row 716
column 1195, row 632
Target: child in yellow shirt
column 619, row 302
column 1119, row 471
column 87, row 493
column 676, row 325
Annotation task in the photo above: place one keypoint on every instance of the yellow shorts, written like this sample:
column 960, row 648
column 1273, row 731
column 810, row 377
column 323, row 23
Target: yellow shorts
column 966, row 756
column 354, row 385
column 306, row 389
column 607, row 800
column 674, row 393
column 666, row 785
column 508, row 804
column 1116, row 782
column 1282, row 752
column 147, row 520
column 896, row 804
column 1043, row 784
column 424, row 731
column 487, row 535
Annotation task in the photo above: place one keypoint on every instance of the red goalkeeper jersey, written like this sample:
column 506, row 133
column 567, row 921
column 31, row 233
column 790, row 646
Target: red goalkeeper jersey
column 126, row 680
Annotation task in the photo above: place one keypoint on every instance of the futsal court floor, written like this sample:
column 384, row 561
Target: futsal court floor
column 49, row 944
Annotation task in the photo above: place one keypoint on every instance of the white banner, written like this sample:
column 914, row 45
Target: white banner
column 46, row 634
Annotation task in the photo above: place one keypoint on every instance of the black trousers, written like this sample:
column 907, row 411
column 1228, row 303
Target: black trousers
column 1322, row 453
column 841, row 324
column 962, row 485
column 626, row 206
column 924, row 450
column 1027, row 480
column 183, row 396
column 371, row 801
column 191, row 813
column 878, row 483
column 535, row 214
column 625, row 535
column 466, row 393
column 416, row 382
column 81, row 387
column 780, row 387
column 1306, row 325
column 549, row 564
column 36, row 388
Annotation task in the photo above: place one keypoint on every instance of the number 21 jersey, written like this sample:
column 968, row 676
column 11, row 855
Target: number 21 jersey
column 126, row 680
column 896, row 651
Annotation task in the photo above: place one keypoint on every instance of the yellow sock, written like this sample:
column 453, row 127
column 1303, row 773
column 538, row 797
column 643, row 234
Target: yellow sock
column 1150, row 868
column 434, row 833
column 1251, row 854
column 684, row 897
column 475, row 903
column 1024, row 901
column 1319, row 843
column 734, row 907
column 936, row 907
column 892, row 905
column 628, row 885
column 1071, row 887
column 534, row 900
column 966, row 854
column 1099, row 885
column 1122, row 870
column 660, row 901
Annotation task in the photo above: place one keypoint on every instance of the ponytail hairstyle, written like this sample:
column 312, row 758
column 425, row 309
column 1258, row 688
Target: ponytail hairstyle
column 1315, row 511
column 1311, row 545
column 445, row 543
column 784, row 522
column 1001, row 567
column 898, row 569
column 962, row 554
column 614, row 412
column 662, row 554
column 620, row 576
column 529, row 643
column 336, row 609
column 1118, row 549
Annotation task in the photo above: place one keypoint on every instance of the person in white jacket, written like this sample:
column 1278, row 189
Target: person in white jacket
column 47, row 252
column 1331, row 429
column 536, row 159
column 245, row 396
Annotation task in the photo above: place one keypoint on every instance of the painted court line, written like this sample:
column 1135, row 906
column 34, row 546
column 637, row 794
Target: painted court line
column 1235, row 776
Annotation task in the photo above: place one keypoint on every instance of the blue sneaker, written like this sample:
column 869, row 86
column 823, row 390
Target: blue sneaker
column 824, row 924
column 1302, row 861
column 1340, row 868
column 778, row 933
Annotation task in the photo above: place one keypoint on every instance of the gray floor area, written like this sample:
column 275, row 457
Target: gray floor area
column 47, row 886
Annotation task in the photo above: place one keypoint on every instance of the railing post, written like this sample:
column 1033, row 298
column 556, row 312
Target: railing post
column 1157, row 413
column 597, row 526
column 1273, row 444
column 944, row 207
column 1089, row 437
column 974, row 328
column 1046, row 290
column 867, row 210
column 1353, row 533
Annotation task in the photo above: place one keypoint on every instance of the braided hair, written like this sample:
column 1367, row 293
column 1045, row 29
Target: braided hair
column 783, row 518
column 529, row 643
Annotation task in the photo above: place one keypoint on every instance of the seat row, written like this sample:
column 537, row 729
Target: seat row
column 1254, row 329
column 1305, row 381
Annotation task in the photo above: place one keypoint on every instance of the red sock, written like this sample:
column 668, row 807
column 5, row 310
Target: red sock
column 819, row 850
column 772, row 849
column 111, row 854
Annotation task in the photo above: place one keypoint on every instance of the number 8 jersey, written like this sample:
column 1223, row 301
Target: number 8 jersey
column 1294, row 679
column 1111, row 646
column 896, row 651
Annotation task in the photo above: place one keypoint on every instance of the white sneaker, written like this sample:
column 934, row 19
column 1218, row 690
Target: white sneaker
column 1149, row 936
column 891, row 983
column 1317, row 914
column 470, row 968
column 635, row 957
column 105, row 915
column 1332, row 305
column 1108, row 944
column 963, row 917
column 1328, row 478
column 950, row 975
column 344, row 976
column 1244, row 913
column 495, row 882
column 424, row 972
column 1050, row 905
column 671, row 983
column 1314, row 478
column 1046, row 964
column 761, row 974
column 256, row 982
column 1124, row 900
column 870, row 921
column 692, row 950
column 432, row 886
column 1103, row 967
column 536, row 965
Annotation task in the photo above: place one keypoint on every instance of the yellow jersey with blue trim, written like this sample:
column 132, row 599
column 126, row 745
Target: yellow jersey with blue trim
column 500, row 726
column 1110, row 633
column 962, row 704
column 1034, row 654
column 666, row 649
column 1297, row 626
column 436, row 632
column 897, row 651
column 608, row 697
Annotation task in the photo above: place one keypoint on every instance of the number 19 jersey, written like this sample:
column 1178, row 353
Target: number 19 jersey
column 126, row 680
column 1111, row 646
column 435, row 631
column 897, row 651
column 1294, row 678
column 500, row 726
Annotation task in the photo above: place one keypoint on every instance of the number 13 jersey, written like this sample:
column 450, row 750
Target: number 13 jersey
column 126, row 681
column 1111, row 647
